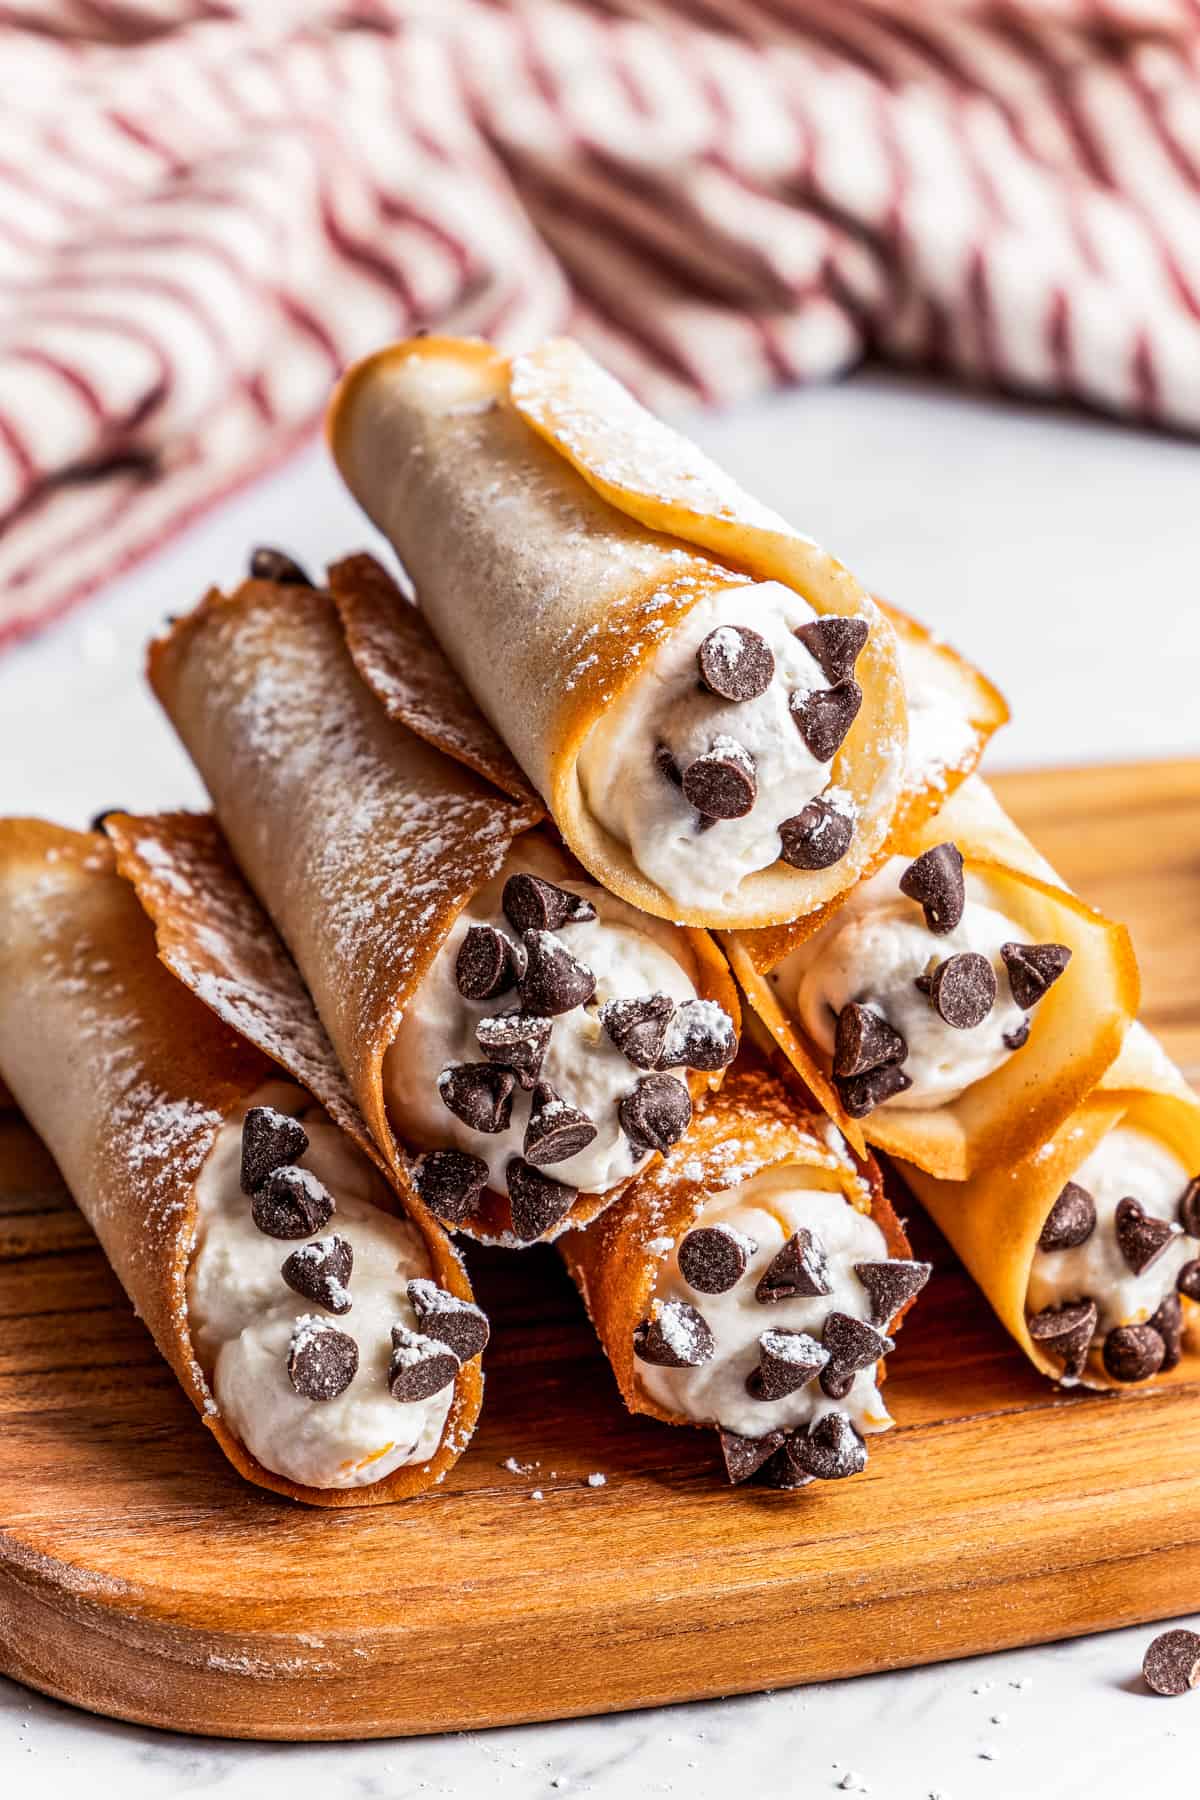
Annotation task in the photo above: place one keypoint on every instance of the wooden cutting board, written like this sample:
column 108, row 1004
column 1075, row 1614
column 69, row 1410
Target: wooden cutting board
column 140, row 1577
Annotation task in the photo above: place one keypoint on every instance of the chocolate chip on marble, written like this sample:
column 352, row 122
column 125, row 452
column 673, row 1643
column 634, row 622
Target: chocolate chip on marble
column 834, row 642
column 638, row 1027
column 816, row 837
column 800, row 1267
column 1168, row 1322
column 537, row 1200
column 450, row 1183
column 861, row 1094
column 270, row 1139
column 831, row 1451
column 270, row 564
column 787, row 1360
column 656, row 1114
column 667, row 767
column 824, row 718
column 322, row 1271
column 1071, row 1221
column 1033, row 969
column 865, row 1041
column 1066, row 1332
column 556, row 1130
column 891, row 1285
column 553, row 981
column 486, row 964
column 1171, row 1666
column 532, row 904
column 935, row 881
column 1187, row 1282
column 735, row 663
column 745, row 1456
column 420, row 1366
column 722, row 784
column 713, row 1258
column 700, row 1036
column 442, row 1315
column 291, row 1203
column 674, row 1336
column 322, row 1361
column 1141, row 1238
column 853, row 1344
column 1018, row 1037
column 962, row 990
column 1189, row 1208
column 1133, row 1353
column 480, row 1094
column 518, row 1041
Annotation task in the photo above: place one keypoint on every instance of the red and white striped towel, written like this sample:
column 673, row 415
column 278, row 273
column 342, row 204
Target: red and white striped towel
column 208, row 206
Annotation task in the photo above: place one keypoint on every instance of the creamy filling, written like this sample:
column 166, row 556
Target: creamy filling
column 244, row 1317
column 698, row 861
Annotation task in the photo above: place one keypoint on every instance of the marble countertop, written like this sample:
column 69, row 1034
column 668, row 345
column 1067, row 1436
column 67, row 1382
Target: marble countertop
column 1061, row 553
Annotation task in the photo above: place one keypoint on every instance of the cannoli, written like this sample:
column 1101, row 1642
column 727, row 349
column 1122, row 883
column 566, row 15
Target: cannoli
column 529, row 1038
column 327, row 1338
column 1089, row 1246
column 709, row 704
column 752, row 1281
column 958, row 1004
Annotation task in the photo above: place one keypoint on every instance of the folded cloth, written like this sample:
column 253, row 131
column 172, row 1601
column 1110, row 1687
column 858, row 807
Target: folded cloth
column 206, row 212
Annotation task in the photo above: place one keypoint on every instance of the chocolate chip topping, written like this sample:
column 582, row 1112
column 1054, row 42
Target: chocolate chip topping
column 1187, row 1281
column 891, row 1285
column 780, row 1472
column 554, row 981
column 667, row 767
column 419, row 1366
column 800, row 1267
column 831, row 1451
column 537, row 1200
column 291, row 1203
column 853, row 1344
column 450, row 1182
column 824, row 718
column 962, row 990
column 322, row 1361
column 935, row 882
column 519, row 1041
column 834, row 642
column 480, row 1094
column 1171, row 1665
column 638, row 1027
column 1072, row 1220
column 713, row 1258
column 675, row 1336
column 816, row 837
column 556, row 1130
column 722, row 784
column 442, row 1315
column 1168, row 1322
column 1141, row 1238
column 861, row 1094
column 1018, row 1037
column 745, row 1456
column 735, row 663
column 1189, row 1208
column 1065, row 1332
column 699, row 1036
column 787, row 1360
column 656, row 1114
column 531, row 904
column 269, row 1140
column 1133, row 1353
column 865, row 1041
column 486, row 964
column 269, row 564
column 321, row 1272
column 1032, row 969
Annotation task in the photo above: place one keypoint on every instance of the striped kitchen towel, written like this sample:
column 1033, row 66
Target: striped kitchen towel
column 208, row 206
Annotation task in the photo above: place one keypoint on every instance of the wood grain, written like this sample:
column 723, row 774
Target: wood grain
column 139, row 1577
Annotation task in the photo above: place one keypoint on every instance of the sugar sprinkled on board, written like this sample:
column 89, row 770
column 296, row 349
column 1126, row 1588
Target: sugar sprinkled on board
column 596, row 1480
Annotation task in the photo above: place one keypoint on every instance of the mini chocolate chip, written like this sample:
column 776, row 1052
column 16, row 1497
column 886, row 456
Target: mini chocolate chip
column 1168, row 1322
column 779, row 1471
column 1133, row 1353
column 322, row 1271
column 1033, row 969
column 519, row 1041
column 1171, row 1665
column 537, row 1200
column 1072, row 1220
column 554, row 981
column 745, row 1456
column 853, row 1344
column 291, row 1203
column 935, row 882
column 836, row 1383
column 735, row 663
column 831, row 1451
column 824, row 718
column 1018, row 1037
column 861, row 1094
column 442, row 1315
column 675, row 1336
column 269, row 564
column 800, row 1267
column 865, row 1041
column 322, row 1361
column 269, row 1140
column 667, row 767
column 891, row 1285
column 450, row 1182
column 962, row 990
column 638, row 1027
column 722, row 783
column 1065, row 1332
column 700, row 1036
column 816, row 837
column 713, row 1258
column 1187, row 1281
column 556, row 1130
column 486, row 964
column 419, row 1366
column 531, row 904
column 787, row 1360
column 656, row 1114
column 1141, row 1238
column 480, row 1094
column 1189, row 1208
column 835, row 643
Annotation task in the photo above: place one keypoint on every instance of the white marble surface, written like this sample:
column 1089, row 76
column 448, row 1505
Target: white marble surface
column 1062, row 553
